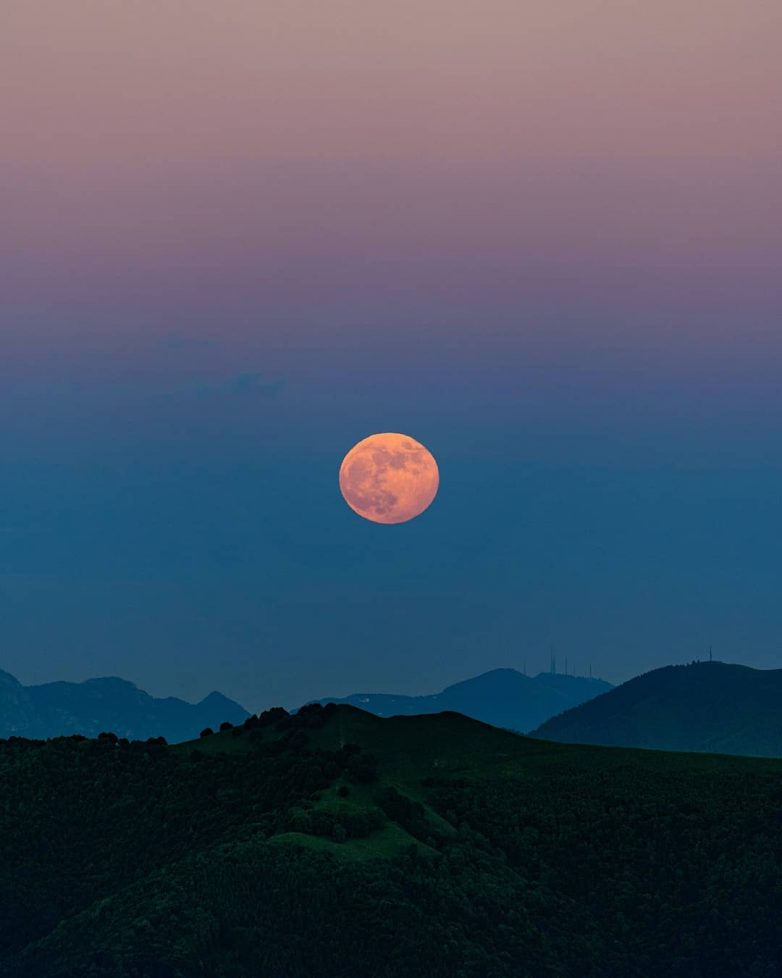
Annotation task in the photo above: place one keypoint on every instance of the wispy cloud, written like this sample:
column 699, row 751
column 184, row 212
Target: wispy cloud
column 257, row 383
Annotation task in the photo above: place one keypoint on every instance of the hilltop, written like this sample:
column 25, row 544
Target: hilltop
column 704, row 706
column 502, row 697
column 339, row 844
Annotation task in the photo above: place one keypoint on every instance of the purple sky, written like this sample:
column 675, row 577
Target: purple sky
column 544, row 239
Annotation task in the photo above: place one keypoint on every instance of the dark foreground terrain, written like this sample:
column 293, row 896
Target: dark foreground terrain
column 336, row 844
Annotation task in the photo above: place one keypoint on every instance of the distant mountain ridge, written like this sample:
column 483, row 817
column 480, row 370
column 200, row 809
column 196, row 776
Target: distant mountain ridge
column 715, row 707
column 97, row 705
column 502, row 697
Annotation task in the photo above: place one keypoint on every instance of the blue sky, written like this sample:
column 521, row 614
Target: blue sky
column 172, row 514
column 542, row 239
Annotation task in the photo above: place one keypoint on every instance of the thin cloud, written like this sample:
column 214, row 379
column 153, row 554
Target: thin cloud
column 257, row 383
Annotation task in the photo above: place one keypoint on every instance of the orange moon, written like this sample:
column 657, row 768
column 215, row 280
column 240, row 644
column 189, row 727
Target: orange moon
column 389, row 478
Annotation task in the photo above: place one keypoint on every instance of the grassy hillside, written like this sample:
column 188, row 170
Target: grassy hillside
column 336, row 843
column 704, row 706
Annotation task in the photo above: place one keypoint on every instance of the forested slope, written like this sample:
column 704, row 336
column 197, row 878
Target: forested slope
column 338, row 844
column 703, row 706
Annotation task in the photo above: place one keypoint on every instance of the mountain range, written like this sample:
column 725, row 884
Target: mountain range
column 502, row 697
column 711, row 707
column 715, row 707
column 111, row 704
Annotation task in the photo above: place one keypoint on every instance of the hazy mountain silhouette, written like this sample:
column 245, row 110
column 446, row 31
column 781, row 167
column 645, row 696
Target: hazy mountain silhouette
column 111, row 704
column 502, row 697
column 705, row 706
column 17, row 713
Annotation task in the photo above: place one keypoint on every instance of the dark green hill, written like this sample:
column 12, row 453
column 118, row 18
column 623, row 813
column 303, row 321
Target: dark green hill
column 338, row 844
column 704, row 706
column 503, row 697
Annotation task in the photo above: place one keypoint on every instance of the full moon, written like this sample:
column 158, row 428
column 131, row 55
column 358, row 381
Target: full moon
column 389, row 478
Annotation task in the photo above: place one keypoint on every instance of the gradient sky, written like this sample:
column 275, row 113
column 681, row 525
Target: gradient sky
column 544, row 239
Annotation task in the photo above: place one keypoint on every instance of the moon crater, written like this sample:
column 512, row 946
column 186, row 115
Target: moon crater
column 389, row 478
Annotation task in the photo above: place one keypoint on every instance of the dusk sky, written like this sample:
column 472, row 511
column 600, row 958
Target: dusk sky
column 544, row 239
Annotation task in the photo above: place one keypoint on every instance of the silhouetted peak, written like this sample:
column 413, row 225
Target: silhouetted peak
column 502, row 697
column 6, row 679
column 494, row 679
column 110, row 682
column 106, row 703
column 215, row 698
column 699, row 706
